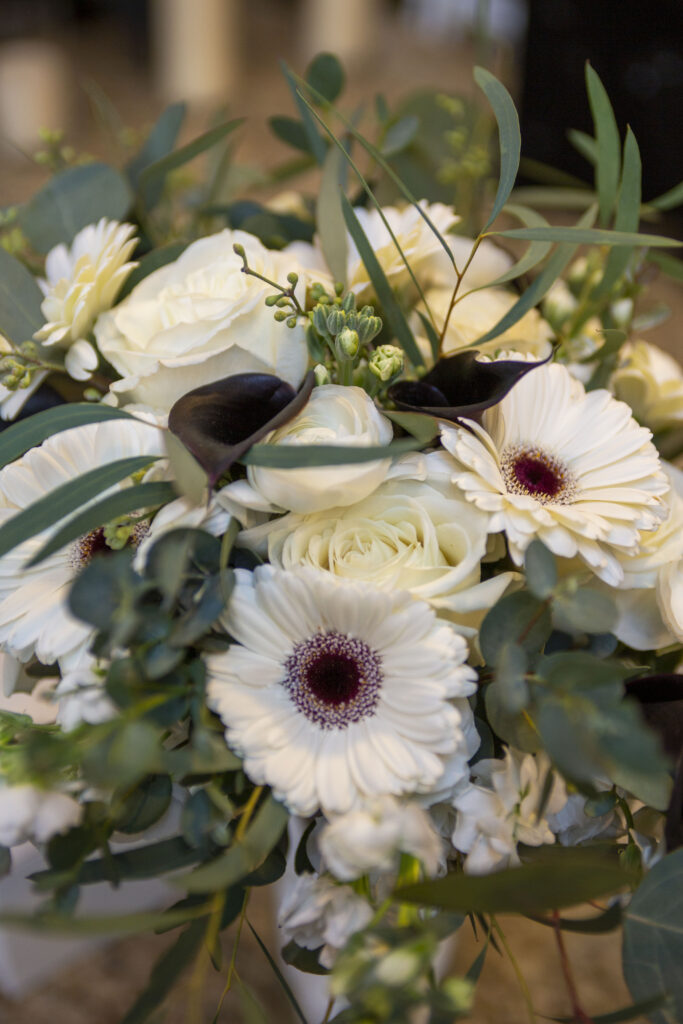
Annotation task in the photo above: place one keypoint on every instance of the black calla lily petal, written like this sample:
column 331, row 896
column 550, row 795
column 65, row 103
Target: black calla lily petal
column 661, row 701
column 219, row 422
column 460, row 386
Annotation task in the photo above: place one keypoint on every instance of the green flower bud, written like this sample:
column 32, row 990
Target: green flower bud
column 293, row 278
column 460, row 994
column 387, row 361
column 349, row 303
column 336, row 320
column 320, row 321
column 280, row 315
column 368, row 328
column 347, row 343
column 239, row 250
column 321, row 374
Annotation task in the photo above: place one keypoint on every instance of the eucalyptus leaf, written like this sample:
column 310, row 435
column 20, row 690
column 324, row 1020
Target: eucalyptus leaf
column 599, row 924
column 144, row 805
column 291, row 131
column 399, row 135
column 166, row 971
column 584, row 144
column 569, row 877
column 325, row 76
column 635, row 1012
column 608, row 155
column 627, row 214
column 391, row 310
column 244, row 855
column 28, row 433
column 508, row 133
column 159, row 142
column 102, row 924
column 589, row 236
column 669, row 200
column 292, row 456
column 191, row 480
column 155, row 173
column 518, row 618
column 5, row 861
column 554, row 198
column 671, row 266
column 316, row 144
column 65, row 499
column 20, row 299
column 71, row 200
column 121, row 503
column 291, row 998
column 536, row 251
column 652, row 950
column 540, row 570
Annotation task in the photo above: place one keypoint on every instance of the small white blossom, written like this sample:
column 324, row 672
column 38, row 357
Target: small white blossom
column 29, row 813
column 371, row 838
column 317, row 912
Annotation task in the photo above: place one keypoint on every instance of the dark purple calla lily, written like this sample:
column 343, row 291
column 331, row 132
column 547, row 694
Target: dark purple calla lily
column 219, row 422
column 460, row 386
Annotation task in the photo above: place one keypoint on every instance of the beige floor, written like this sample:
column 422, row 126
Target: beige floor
column 99, row 989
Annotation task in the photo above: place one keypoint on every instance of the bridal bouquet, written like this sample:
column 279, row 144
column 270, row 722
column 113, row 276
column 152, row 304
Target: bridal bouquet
column 344, row 530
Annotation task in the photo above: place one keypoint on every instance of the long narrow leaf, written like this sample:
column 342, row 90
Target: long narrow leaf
column 20, row 299
column 158, row 170
column 371, row 196
column 316, row 143
column 635, row 1012
column 668, row 264
column 104, row 924
column 589, row 236
column 554, row 198
column 67, row 498
column 380, row 160
column 627, row 215
column 535, row 292
column 279, row 975
column 330, row 219
column 585, row 144
column 285, row 456
column 30, row 432
column 536, row 252
column 607, row 168
column 166, row 972
column 390, row 307
column 508, row 134
column 121, row 503
column 669, row 200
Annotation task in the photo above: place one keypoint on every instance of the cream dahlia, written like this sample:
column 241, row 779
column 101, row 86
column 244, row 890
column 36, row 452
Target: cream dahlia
column 34, row 617
column 82, row 281
column 567, row 466
column 338, row 692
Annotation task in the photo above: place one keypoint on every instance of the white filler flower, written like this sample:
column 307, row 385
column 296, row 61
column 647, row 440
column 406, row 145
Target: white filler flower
column 570, row 467
column 339, row 692
column 34, row 617
column 29, row 813
column 317, row 912
column 81, row 282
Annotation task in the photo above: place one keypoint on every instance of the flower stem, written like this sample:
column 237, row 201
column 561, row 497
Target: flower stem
column 579, row 1014
column 459, row 276
column 526, row 994
column 247, row 813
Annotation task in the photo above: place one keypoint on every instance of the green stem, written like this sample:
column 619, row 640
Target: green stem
column 526, row 994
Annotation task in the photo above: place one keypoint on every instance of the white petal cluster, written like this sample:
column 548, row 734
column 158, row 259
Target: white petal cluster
column 28, row 813
column 34, row 616
column 572, row 825
column 651, row 381
column 415, row 532
column 372, row 837
column 317, row 912
column 334, row 415
column 338, row 692
column 200, row 318
column 82, row 281
column 500, row 810
column 82, row 697
column 570, row 467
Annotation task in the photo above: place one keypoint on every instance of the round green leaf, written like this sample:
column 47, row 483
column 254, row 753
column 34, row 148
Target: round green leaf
column 326, row 75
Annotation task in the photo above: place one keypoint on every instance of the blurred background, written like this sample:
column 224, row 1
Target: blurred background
column 101, row 71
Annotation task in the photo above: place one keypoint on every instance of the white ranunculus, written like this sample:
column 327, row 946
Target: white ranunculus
column 334, row 415
column 82, row 281
column 651, row 381
column 29, row 813
column 500, row 810
column 317, row 912
column 415, row 532
column 372, row 837
column 199, row 319
column 475, row 314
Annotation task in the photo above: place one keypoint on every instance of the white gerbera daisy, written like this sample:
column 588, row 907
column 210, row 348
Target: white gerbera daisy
column 81, row 282
column 570, row 467
column 339, row 692
column 34, row 617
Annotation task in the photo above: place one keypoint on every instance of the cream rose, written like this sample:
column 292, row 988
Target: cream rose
column 334, row 415
column 475, row 314
column 199, row 319
column 415, row 532
column 651, row 382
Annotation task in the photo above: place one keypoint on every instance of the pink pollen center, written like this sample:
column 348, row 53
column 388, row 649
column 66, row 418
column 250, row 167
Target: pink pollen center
column 536, row 477
column 333, row 677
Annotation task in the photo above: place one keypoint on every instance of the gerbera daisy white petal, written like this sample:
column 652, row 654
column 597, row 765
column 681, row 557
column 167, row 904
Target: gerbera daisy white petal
column 82, row 281
column 346, row 668
column 34, row 617
column 569, row 467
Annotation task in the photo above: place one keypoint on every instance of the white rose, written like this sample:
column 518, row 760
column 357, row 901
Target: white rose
column 651, row 382
column 80, row 283
column 372, row 837
column 475, row 314
column 334, row 415
column 199, row 319
column 415, row 532
column 29, row 813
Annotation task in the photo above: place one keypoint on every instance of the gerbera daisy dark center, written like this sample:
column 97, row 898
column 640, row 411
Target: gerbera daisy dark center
column 334, row 679
column 528, row 470
column 95, row 543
